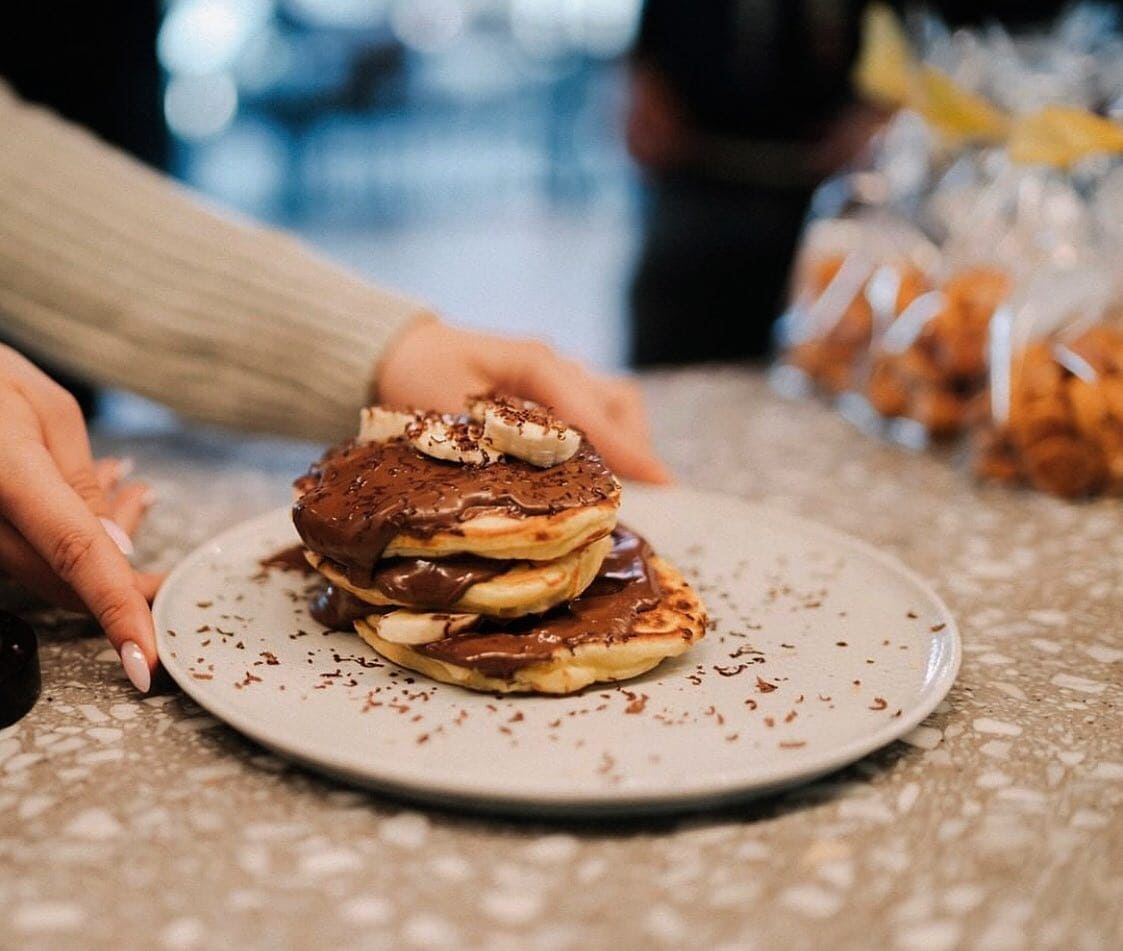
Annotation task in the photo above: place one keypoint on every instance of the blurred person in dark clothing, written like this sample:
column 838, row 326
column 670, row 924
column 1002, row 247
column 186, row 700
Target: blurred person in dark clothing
column 739, row 108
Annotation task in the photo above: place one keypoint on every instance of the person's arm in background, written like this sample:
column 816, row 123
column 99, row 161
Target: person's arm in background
column 124, row 279
column 116, row 274
column 130, row 281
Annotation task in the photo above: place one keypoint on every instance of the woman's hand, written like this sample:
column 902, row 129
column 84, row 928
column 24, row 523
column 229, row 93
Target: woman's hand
column 65, row 519
column 435, row 366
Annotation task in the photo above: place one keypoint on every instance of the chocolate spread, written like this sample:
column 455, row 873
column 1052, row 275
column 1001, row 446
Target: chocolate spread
column 435, row 583
column 429, row 582
column 289, row 559
column 337, row 609
column 358, row 497
column 625, row 587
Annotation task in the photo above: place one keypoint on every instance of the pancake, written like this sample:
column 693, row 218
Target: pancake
column 528, row 538
column 363, row 502
column 508, row 589
column 638, row 611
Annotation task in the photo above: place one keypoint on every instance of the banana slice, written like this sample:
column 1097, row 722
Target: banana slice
column 380, row 424
column 451, row 439
column 419, row 627
column 524, row 430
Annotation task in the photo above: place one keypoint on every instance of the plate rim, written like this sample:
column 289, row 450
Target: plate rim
column 481, row 797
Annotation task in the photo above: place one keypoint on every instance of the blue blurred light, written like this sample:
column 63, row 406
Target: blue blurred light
column 355, row 14
column 198, row 107
column 428, row 25
column 199, row 37
column 597, row 28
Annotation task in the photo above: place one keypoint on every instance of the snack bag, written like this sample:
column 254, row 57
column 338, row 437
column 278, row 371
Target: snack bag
column 852, row 278
column 1056, row 386
column 996, row 222
column 929, row 366
column 1013, row 199
column 991, row 170
column 864, row 259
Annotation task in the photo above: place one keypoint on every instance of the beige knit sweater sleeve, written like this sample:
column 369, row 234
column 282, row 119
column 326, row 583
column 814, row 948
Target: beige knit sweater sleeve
column 113, row 272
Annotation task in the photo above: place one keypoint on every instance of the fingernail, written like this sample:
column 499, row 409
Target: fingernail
column 119, row 536
column 125, row 467
column 136, row 666
column 150, row 497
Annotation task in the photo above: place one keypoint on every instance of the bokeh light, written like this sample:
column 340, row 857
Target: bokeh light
column 341, row 14
column 199, row 37
column 198, row 107
column 552, row 28
column 428, row 26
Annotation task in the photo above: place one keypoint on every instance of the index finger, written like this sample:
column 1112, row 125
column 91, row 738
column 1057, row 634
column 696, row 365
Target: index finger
column 59, row 525
column 627, row 405
column 61, row 424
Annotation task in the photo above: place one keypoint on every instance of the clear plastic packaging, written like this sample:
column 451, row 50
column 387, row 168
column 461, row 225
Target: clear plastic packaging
column 994, row 185
column 929, row 366
column 1055, row 401
column 853, row 277
column 879, row 317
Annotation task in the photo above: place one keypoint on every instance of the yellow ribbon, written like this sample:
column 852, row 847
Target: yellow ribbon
column 884, row 68
column 1061, row 136
column 958, row 114
column 887, row 72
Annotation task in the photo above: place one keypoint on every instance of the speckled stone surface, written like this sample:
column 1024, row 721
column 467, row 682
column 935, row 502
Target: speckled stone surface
column 996, row 825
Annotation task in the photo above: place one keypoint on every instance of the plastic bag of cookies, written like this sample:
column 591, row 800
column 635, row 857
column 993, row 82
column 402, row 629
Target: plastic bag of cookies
column 864, row 258
column 853, row 277
column 988, row 172
column 1055, row 419
column 929, row 367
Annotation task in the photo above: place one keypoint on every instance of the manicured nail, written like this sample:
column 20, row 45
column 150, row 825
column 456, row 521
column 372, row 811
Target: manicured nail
column 119, row 536
column 136, row 666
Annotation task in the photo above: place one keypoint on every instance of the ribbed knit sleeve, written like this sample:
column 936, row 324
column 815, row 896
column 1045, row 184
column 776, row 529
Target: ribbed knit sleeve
column 115, row 273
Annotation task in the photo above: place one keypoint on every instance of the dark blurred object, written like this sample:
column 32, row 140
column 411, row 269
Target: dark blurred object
column 739, row 108
column 735, row 114
column 1011, row 13
column 19, row 668
column 95, row 64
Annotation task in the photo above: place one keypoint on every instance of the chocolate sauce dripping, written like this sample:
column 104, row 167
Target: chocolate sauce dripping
column 624, row 588
column 358, row 497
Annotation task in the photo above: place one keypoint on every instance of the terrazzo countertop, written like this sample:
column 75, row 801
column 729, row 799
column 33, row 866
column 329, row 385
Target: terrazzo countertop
column 997, row 824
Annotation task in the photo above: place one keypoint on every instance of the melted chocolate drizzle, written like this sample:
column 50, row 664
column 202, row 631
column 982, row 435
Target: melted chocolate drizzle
column 289, row 559
column 437, row 583
column 625, row 587
column 358, row 497
column 336, row 609
column 425, row 582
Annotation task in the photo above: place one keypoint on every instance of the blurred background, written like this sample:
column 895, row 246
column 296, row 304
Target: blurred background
column 466, row 151
column 624, row 178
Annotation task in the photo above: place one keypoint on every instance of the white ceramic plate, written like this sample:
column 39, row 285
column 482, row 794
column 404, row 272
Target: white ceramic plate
column 822, row 650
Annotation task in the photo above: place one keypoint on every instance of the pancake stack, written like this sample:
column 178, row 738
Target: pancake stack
column 484, row 550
